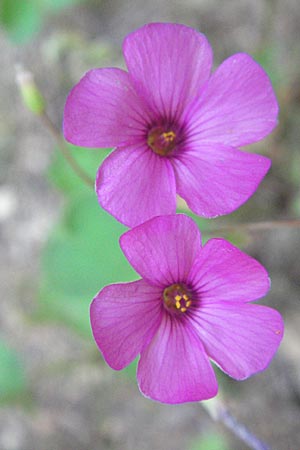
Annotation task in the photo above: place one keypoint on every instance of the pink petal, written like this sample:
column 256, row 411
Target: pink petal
column 222, row 272
column 236, row 107
column 215, row 180
column 124, row 318
column 103, row 110
column 163, row 249
column 241, row 338
column 168, row 63
column 174, row 367
column 134, row 184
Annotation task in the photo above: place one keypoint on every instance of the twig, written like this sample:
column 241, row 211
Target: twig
column 35, row 102
column 220, row 413
column 256, row 226
column 65, row 151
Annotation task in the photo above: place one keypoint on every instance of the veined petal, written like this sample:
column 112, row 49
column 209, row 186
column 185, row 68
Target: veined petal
column 134, row 184
column 163, row 249
column 168, row 63
column 223, row 272
column 237, row 106
column 104, row 110
column 124, row 317
column 174, row 368
column 215, row 179
column 241, row 338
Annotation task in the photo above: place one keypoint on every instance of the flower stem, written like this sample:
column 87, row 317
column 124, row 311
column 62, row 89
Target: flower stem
column 242, row 432
column 220, row 413
column 65, row 151
column 36, row 104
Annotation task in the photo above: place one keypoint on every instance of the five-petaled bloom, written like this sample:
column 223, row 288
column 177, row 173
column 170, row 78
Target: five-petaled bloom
column 176, row 127
column 191, row 305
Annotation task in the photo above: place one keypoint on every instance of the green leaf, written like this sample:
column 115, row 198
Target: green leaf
column 130, row 371
column 203, row 224
column 63, row 176
column 81, row 257
column 56, row 5
column 12, row 377
column 20, row 18
column 23, row 18
column 268, row 58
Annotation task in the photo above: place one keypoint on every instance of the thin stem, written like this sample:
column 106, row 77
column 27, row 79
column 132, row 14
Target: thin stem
column 65, row 151
column 219, row 413
column 256, row 226
column 241, row 431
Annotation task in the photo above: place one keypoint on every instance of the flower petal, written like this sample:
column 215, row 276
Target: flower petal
column 103, row 110
column 124, row 318
column 241, row 338
column 215, row 180
column 222, row 272
column 168, row 64
column 236, row 107
column 174, row 368
column 134, row 184
column 163, row 249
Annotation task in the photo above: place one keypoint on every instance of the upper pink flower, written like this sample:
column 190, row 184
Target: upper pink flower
column 176, row 127
column 190, row 305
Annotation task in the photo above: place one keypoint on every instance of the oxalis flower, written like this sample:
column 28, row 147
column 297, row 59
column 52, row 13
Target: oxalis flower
column 176, row 127
column 191, row 305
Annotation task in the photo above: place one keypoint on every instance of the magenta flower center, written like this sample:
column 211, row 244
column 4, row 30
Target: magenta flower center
column 177, row 298
column 161, row 141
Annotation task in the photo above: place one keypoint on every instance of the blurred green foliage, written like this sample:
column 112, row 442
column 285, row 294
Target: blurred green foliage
column 209, row 442
column 130, row 371
column 83, row 253
column 12, row 377
column 267, row 57
column 22, row 18
column 63, row 177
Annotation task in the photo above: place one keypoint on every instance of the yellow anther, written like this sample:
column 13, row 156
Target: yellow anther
column 169, row 136
column 177, row 298
column 160, row 141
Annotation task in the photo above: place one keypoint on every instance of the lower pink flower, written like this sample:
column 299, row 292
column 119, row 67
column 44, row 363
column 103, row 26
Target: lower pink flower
column 191, row 306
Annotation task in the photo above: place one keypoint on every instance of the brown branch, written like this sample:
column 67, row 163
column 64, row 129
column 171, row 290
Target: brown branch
column 253, row 227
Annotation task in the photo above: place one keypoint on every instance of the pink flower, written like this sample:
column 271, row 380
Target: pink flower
column 176, row 127
column 190, row 306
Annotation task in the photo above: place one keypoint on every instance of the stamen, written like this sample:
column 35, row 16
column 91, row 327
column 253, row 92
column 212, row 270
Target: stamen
column 177, row 298
column 160, row 141
column 169, row 136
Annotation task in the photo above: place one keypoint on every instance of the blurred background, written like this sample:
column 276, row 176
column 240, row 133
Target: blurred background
column 58, row 248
